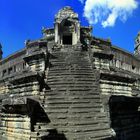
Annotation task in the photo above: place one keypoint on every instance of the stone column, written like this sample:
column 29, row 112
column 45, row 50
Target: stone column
column 56, row 32
column 78, row 31
column 76, row 34
column 73, row 38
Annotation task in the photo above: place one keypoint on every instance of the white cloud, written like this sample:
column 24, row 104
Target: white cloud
column 107, row 12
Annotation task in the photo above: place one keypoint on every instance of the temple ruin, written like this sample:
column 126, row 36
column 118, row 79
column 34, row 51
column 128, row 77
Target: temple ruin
column 70, row 85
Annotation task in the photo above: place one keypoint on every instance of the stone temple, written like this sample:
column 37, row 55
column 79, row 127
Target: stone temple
column 70, row 85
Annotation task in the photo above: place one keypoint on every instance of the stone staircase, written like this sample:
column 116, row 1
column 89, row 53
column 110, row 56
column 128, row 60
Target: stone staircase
column 73, row 103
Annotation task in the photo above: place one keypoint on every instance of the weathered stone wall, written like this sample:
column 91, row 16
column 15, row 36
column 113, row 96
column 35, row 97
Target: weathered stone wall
column 12, row 64
column 20, row 94
column 126, row 61
column 119, row 77
column 57, row 100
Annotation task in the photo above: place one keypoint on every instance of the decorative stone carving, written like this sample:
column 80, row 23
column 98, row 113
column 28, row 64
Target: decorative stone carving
column 66, row 13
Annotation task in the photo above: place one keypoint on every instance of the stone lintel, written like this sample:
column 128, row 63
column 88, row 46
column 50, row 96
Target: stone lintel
column 24, row 77
column 117, row 76
column 34, row 55
column 104, row 55
column 20, row 105
column 127, row 99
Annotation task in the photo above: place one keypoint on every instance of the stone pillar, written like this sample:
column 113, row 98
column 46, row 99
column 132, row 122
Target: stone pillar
column 73, row 38
column 78, row 32
column 56, row 32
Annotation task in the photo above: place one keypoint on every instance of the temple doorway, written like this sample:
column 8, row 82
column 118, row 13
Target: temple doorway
column 67, row 39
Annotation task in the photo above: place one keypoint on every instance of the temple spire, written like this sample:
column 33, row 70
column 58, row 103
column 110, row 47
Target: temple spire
column 137, row 45
column 67, row 27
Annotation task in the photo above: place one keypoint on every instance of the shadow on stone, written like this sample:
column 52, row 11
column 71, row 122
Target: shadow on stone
column 125, row 117
column 36, row 113
column 54, row 135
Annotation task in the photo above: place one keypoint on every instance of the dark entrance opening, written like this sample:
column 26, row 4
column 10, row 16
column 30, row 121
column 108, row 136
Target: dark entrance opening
column 67, row 39
column 125, row 117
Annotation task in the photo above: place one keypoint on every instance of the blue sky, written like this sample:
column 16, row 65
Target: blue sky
column 21, row 20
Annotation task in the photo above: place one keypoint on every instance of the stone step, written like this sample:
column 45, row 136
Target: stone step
column 77, row 98
column 71, row 84
column 71, row 68
column 80, row 128
column 76, row 110
column 71, row 101
column 54, row 67
column 71, row 71
column 73, row 93
column 73, row 122
column 75, row 75
column 83, row 93
column 75, row 129
column 96, row 135
column 72, row 87
column 72, row 106
column 77, row 102
column 72, row 80
column 90, row 115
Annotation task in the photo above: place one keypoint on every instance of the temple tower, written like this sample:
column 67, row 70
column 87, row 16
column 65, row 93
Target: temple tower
column 137, row 45
column 67, row 27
